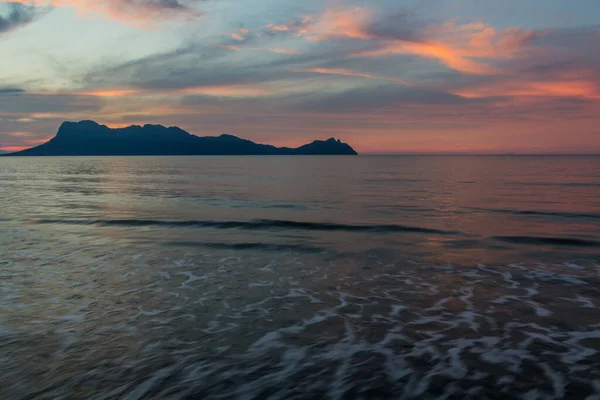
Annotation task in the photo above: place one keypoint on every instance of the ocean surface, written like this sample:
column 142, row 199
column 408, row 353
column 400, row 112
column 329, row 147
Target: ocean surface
column 404, row 277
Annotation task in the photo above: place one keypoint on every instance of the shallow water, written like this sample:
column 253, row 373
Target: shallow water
column 300, row 277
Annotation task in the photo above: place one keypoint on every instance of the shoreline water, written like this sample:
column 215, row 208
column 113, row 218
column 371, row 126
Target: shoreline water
column 142, row 278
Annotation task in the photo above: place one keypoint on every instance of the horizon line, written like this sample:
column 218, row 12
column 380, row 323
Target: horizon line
column 371, row 154
column 476, row 154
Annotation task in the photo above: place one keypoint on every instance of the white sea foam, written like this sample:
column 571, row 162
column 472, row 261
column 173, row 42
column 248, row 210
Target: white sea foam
column 224, row 324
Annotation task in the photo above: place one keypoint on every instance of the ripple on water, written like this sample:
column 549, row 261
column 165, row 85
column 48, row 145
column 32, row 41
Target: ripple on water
column 188, row 323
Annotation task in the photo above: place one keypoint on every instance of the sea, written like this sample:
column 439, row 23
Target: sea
column 331, row 277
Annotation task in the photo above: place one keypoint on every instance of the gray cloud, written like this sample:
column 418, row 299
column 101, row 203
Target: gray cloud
column 383, row 98
column 10, row 91
column 396, row 26
column 173, row 5
column 17, row 15
column 378, row 98
column 27, row 103
column 569, row 37
column 199, row 64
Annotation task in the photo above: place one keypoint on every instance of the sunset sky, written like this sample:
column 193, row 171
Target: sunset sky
column 386, row 76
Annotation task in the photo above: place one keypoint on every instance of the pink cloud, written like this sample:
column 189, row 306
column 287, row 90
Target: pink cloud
column 240, row 34
column 278, row 28
column 337, row 23
column 266, row 49
column 231, row 47
column 350, row 72
column 279, row 50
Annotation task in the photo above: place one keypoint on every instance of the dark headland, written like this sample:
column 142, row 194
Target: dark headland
column 88, row 138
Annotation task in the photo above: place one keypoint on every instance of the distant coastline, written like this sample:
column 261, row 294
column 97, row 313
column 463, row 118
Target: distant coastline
column 88, row 138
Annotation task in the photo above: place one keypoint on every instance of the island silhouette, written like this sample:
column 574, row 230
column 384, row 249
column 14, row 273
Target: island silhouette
column 88, row 138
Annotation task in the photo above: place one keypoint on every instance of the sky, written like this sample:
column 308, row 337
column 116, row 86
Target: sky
column 386, row 76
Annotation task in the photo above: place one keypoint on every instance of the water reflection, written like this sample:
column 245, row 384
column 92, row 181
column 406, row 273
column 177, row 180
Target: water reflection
column 479, row 197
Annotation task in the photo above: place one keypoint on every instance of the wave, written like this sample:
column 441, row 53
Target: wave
column 250, row 246
column 541, row 213
column 545, row 241
column 261, row 224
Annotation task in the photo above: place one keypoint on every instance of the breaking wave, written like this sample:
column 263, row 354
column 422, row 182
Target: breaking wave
column 260, row 224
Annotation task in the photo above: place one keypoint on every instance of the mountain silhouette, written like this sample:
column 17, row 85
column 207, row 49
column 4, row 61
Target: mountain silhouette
column 88, row 138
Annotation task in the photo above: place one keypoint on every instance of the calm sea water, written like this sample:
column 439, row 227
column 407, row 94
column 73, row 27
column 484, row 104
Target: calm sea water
column 300, row 277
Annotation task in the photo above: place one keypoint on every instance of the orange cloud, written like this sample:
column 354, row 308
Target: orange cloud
column 18, row 134
column 448, row 55
column 10, row 149
column 109, row 93
column 242, row 90
column 462, row 47
column 468, row 48
column 123, row 10
column 480, row 40
column 574, row 88
column 26, row 143
column 349, row 72
column 116, row 125
column 227, row 90
column 337, row 23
